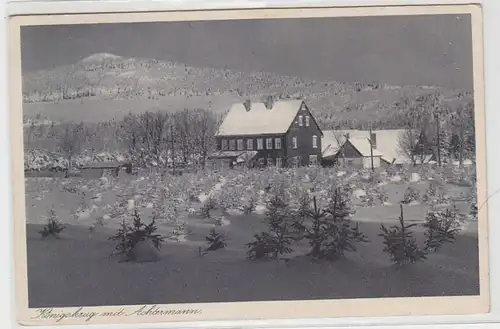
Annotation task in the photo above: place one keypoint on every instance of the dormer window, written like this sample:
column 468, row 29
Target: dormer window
column 301, row 120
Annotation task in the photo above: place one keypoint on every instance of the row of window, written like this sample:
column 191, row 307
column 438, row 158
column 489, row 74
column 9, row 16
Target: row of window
column 307, row 121
column 295, row 161
column 239, row 144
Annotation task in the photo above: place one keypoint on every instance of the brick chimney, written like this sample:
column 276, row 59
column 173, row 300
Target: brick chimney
column 269, row 102
column 247, row 104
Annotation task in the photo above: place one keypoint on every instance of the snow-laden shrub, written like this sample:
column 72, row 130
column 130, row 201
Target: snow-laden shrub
column 435, row 193
column 411, row 195
column 53, row 227
column 442, row 226
column 128, row 236
column 375, row 195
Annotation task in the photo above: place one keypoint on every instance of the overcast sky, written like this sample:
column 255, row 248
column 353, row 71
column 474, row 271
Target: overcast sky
column 430, row 50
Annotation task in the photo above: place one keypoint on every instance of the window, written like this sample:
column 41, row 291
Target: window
column 269, row 143
column 240, row 144
column 307, row 121
column 270, row 161
column 294, row 142
column 279, row 162
column 313, row 160
column 249, row 144
column 232, row 144
column 277, row 143
column 315, row 141
column 261, row 162
column 224, row 145
column 260, row 144
column 301, row 120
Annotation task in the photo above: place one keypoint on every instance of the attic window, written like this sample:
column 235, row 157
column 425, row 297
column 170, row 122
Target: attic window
column 301, row 120
column 307, row 121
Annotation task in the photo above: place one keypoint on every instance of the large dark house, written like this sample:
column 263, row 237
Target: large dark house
column 271, row 133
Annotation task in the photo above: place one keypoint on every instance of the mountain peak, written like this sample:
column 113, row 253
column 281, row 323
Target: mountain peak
column 99, row 57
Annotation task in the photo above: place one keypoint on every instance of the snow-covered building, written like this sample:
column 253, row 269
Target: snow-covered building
column 352, row 147
column 271, row 133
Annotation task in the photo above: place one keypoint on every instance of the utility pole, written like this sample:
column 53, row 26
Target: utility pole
column 436, row 116
column 172, row 146
column 371, row 148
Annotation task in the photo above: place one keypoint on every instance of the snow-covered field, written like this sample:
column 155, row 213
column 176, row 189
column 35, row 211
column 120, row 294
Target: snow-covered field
column 76, row 270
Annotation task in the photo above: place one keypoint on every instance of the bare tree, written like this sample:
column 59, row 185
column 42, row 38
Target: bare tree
column 71, row 142
column 146, row 137
column 407, row 143
column 204, row 127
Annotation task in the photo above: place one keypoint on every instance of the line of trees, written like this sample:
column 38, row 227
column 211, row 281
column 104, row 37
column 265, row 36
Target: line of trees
column 438, row 129
column 157, row 138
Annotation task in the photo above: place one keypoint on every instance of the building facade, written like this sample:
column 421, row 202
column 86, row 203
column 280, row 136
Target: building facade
column 281, row 133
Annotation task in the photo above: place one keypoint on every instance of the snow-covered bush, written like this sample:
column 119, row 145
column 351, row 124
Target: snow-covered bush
column 411, row 195
column 53, row 227
column 375, row 195
column 442, row 226
column 128, row 236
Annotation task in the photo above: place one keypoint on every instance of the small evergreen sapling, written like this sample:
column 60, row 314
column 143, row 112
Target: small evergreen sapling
column 208, row 206
column 400, row 243
column 329, row 231
column 53, row 226
column 128, row 236
column 215, row 240
column 442, row 227
column 277, row 240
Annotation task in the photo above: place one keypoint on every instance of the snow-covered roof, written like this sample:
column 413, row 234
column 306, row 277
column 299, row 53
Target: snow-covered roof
column 334, row 139
column 259, row 120
column 362, row 144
